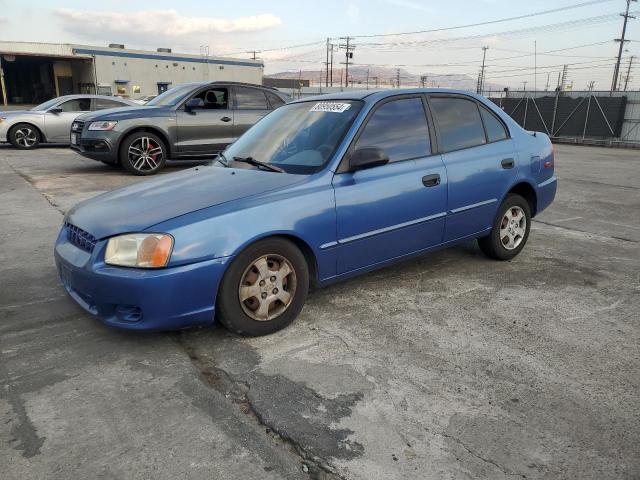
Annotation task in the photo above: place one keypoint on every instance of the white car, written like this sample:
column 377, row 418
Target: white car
column 144, row 100
column 50, row 122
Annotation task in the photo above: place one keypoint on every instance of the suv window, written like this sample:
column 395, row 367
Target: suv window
column 102, row 103
column 459, row 123
column 274, row 100
column 76, row 105
column 250, row 99
column 494, row 127
column 400, row 128
column 215, row 98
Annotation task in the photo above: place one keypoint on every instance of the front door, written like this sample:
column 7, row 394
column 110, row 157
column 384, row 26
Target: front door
column 58, row 125
column 251, row 106
column 207, row 130
column 392, row 210
column 480, row 161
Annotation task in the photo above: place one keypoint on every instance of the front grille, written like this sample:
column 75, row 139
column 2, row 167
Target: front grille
column 77, row 126
column 80, row 238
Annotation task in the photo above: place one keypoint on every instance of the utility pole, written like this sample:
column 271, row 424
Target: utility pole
column 349, row 47
column 423, row 80
column 592, row 83
column 563, row 79
column 622, row 41
column 367, row 79
column 331, row 71
column 254, row 53
column 376, row 80
column 628, row 76
column 326, row 80
column 524, row 86
column 546, row 87
column 398, row 77
column 480, row 85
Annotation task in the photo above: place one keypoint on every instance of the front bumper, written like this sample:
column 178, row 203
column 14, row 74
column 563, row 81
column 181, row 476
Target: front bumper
column 96, row 145
column 138, row 299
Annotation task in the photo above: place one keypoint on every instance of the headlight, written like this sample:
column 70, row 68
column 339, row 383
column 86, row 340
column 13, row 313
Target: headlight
column 143, row 250
column 102, row 125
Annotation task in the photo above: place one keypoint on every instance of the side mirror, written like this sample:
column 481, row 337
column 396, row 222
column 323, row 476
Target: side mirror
column 55, row 110
column 193, row 103
column 367, row 157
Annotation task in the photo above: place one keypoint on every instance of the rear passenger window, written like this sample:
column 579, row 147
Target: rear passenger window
column 459, row 123
column 250, row 99
column 400, row 128
column 102, row 103
column 494, row 127
column 275, row 100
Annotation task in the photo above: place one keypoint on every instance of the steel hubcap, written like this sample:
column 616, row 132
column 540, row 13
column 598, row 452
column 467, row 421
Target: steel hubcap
column 267, row 288
column 145, row 154
column 513, row 228
column 26, row 137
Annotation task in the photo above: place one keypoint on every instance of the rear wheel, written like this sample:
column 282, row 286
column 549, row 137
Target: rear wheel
column 264, row 288
column 510, row 229
column 143, row 153
column 24, row 136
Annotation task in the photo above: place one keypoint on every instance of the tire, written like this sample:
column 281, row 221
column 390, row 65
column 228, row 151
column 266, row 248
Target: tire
column 510, row 231
column 143, row 153
column 243, row 279
column 25, row 136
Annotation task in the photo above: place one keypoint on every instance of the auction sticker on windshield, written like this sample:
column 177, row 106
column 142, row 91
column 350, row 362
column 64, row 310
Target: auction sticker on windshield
column 333, row 107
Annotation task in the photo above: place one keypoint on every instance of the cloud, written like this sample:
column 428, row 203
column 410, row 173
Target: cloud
column 145, row 26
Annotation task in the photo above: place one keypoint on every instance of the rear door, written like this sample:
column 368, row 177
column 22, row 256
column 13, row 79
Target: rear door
column 251, row 105
column 58, row 125
column 480, row 161
column 206, row 130
column 398, row 208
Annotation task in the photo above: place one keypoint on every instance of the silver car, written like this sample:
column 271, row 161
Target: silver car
column 51, row 121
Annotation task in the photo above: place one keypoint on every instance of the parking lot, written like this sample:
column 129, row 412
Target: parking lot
column 450, row 366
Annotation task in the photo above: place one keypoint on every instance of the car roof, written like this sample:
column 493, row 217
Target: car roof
column 91, row 95
column 375, row 95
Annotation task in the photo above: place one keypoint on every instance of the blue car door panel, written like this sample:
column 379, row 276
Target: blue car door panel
column 480, row 161
column 398, row 208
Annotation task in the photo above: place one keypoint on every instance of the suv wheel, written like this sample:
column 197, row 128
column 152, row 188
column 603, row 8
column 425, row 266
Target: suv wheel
column 24, row 136
column 143, row 153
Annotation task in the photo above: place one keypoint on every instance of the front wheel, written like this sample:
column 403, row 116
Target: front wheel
column 24, row 136
column 510, row 229
column 264, row 288
column 143, row 153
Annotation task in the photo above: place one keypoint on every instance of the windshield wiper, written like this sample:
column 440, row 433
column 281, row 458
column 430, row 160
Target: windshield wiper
column 258, row 163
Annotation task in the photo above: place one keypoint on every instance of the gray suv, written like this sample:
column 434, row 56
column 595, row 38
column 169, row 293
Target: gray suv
column 189, row 121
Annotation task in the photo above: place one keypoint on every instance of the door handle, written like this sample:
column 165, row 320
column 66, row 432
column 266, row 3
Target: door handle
column 431, row 180
column 508, row 163
column 226, row 119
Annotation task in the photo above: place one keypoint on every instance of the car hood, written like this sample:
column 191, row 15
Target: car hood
column 16, row 113
column 142, row 205
column 124, row 113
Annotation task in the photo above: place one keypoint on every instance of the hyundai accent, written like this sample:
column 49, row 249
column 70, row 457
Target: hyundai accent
column 319, row 190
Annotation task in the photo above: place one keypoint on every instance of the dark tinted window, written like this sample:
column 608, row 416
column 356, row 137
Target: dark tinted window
column 102, row 103
column 250, row 99
column 493, row 126
column 76, row 105
column 275, row 100
column 400, row 128
column 215, row 98
column 459, row 123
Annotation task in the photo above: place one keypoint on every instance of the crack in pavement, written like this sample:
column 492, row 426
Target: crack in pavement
column 236, row 391
column 31, row 182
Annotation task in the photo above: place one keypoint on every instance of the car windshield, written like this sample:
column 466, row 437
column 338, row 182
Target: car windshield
column 299, row 137
column 46, row 105
column 172, row 97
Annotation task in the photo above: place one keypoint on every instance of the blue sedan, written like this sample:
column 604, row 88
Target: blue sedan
column 320, row 190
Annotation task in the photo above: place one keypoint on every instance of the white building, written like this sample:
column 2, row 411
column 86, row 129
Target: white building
column 31, row 73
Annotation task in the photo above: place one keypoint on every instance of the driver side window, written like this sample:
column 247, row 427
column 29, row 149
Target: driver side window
column 214, row 98
column 76, row 105
column 398, row 127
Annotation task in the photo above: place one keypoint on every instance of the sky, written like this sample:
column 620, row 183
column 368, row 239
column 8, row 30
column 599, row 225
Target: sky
column 581, row 37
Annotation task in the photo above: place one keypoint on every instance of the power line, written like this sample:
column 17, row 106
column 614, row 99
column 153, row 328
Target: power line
column 488, row 22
